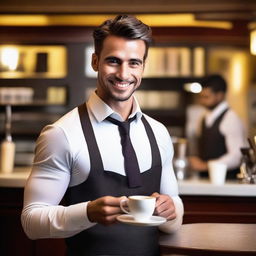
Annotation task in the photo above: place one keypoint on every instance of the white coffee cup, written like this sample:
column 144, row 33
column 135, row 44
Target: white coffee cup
column 140, row 207
column 217, row 172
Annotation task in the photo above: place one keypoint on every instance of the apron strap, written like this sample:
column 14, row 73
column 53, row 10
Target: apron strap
column 94, row 153
column 155, row 153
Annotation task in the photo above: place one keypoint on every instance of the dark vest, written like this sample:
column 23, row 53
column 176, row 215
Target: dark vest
column 117, row 239
column 212, row 144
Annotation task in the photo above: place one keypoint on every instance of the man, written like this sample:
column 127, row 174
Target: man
column 80, row 156
column 221, row 132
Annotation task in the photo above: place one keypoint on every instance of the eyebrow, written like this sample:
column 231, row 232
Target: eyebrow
column 112, row 58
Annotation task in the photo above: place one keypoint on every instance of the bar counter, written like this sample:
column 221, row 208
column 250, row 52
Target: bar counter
column 16, row 179
column 192, row 187
column 203, row 203
column 204, row 187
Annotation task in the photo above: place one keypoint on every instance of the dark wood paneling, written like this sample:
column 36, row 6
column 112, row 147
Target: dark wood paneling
column 125, row 6
column 45, row 35
column 13, row 240
column 238, row 35
column 222, row 209
column 197, row 209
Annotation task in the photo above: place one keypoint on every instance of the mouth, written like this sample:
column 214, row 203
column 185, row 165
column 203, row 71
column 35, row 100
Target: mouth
column 121, row 85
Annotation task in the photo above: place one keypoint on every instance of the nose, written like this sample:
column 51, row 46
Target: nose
column 123, row 72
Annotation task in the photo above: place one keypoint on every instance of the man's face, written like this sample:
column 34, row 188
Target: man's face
column 210, row 99
column 120, row 67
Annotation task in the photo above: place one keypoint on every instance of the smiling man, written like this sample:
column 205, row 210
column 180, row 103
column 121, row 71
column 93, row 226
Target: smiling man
column 83, row 158
column 120, row 67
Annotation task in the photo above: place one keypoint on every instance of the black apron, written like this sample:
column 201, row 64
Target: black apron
column 212, row 144
column 117, row 239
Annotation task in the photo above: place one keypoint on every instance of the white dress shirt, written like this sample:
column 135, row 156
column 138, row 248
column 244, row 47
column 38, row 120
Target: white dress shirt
column 62, row 160
column 232, row 129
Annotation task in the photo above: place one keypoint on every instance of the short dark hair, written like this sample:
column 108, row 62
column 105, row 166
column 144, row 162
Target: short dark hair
column 126, row 26
column 215, row 82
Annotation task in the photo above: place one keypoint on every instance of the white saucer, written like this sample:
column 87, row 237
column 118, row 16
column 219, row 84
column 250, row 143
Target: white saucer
column 153, row 221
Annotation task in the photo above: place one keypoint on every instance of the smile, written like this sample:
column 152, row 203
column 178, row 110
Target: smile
column 121, row 84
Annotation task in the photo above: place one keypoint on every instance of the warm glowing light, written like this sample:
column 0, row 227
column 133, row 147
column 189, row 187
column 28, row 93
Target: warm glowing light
column 237, row 69
column 21, row 61
column 199, row 61
column 181, row 20
column 252, row 28
column 193, row 87
column 253, row 42
column 238, row 65
column 95, row 20
column 10, row 58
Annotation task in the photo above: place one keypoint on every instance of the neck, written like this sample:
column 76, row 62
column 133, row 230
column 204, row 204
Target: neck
column 215, row 106
column 123, row 108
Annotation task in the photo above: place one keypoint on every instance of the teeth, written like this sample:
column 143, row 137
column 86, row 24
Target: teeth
column 122, row 85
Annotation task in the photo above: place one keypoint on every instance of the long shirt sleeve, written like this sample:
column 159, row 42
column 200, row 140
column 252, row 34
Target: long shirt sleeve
column 42, row 215
column 234, row 133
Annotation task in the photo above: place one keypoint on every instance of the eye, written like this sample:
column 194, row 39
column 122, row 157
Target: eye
column 113, row 61
column 135, row 63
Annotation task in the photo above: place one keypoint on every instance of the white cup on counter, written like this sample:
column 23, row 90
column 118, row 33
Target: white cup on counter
column 217, row 172
column 140, row 207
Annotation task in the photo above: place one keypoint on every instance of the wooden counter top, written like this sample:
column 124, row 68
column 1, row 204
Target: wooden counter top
column 211, row 239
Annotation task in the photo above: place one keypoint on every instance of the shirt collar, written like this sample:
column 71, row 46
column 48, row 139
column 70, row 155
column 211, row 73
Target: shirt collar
column 101, row 110
column 211, row 116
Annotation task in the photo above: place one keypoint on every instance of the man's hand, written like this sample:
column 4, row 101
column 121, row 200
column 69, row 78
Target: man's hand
column 197, row 164
column 164, row 206
column 104, row 210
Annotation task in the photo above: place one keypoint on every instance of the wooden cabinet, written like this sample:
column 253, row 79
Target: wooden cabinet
column 198, row 209
column 222, row 209
column 13, row 240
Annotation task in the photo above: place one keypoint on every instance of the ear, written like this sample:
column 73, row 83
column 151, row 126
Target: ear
column 95, row 62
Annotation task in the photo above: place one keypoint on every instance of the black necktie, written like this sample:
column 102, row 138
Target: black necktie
column 132, row 169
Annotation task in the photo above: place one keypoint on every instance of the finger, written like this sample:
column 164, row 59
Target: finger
column 168, row 214
column 161, row 199
column 112, row 201
column 164, row 202
column 101, row 208
column 110, row 210
column 155, row 194
column 165, row 207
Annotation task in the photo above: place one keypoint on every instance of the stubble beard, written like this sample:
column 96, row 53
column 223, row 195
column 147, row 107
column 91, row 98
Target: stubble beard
column 120, row 98
column 114, row 96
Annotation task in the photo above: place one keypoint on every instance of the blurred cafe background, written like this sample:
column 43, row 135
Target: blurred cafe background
column 45, row 51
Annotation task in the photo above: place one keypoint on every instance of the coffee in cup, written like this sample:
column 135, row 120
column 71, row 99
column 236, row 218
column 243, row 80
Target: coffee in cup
column 140, row 207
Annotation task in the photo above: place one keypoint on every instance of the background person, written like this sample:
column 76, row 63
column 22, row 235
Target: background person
column 80, row 157
column 221, row 133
